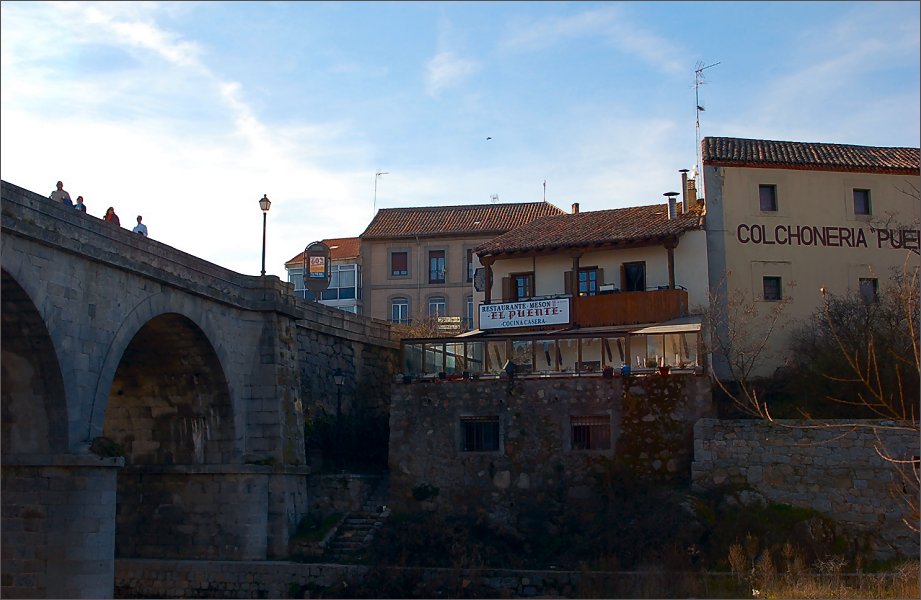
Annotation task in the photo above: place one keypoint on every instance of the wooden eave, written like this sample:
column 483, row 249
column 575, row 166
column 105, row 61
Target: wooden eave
column 582, row 248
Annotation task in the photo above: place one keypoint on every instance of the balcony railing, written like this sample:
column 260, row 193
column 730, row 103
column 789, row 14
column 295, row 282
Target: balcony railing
column 629, row 308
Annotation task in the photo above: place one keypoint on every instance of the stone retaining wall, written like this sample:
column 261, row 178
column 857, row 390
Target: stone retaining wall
column 537, row 463
column 214, row 579
column 834, row 467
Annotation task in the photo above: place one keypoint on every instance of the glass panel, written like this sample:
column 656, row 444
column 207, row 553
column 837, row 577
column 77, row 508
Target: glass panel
column 346, row 293
column 523, row 355
column 546, row 356
column 655, row 350
column 332, row 294
column 591, row 355
column 681, row 349
column 568, row 354
column 496, row 357
column 612, row 352
column 346, row 278
column 475, row 351
column 454, row 359
column 434, row 358
column 412, row 358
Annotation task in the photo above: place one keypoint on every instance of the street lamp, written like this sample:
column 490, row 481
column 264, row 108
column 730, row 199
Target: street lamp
column 264, row 204
column 338, row 379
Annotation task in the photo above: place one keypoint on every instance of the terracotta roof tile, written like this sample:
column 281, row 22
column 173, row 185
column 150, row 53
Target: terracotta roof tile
column 476, row 219
column 636, row 224
column 737, row 152
column 339, row 249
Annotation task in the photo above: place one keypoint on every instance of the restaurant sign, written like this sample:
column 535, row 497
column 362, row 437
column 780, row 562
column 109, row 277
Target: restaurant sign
column 531, row 313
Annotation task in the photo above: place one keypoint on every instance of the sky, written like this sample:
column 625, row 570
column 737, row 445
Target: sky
column 189, row 112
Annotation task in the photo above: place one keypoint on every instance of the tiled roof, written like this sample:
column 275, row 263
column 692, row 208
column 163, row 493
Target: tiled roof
column 736, row 152
column 635, row 225
column 476, row 219
column 339, row 249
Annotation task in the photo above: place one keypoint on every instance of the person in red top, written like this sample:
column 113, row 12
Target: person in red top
column 111, row 217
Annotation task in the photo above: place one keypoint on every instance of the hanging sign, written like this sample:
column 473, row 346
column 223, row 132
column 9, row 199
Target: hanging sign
column 316, row 267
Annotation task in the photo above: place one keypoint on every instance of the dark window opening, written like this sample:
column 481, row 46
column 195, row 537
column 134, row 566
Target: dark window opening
column 767, row 198
column 591, row 433
column 772, row 289
column 635, row 277
column 861, row 202
column 399, row 264
column 479, row 434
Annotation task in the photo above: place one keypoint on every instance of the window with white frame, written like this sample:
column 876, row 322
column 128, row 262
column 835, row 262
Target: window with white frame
column 343, row 283
column 437, row 306
column 399, row 310
column 469, row 311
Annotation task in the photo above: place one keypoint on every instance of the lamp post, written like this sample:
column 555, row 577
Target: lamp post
column 264, row 204
column 338, row 379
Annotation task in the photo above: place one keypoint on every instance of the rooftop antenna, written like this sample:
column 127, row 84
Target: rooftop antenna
column 494, row 198
column 376, row 176
column 545, row 190
column 699, row 81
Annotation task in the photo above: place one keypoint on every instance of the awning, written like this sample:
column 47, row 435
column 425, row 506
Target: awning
column 682, row 325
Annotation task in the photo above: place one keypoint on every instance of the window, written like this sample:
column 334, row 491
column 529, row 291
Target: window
column 437, row 266
column 342, row 283
column 437, row 306
column 470, row 267
column 767, row 198
column 862, row 202
column 591, row 433
column 869, row 290
column 399, row 264
column 771, row 288
column 588, row 281
column 469, row 312
column 634, row 277
column 522, row 286
column 479, row 434
column 399, row 310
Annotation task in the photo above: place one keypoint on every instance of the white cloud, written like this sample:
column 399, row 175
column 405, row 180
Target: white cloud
column 446, row 70
column 610, row 24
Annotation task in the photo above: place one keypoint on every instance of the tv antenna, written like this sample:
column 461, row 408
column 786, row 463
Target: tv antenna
column 494, row 198
column 376, row 177
column 699, row 80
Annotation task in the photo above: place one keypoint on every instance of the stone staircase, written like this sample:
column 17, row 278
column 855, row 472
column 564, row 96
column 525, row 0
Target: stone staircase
column 358, row 528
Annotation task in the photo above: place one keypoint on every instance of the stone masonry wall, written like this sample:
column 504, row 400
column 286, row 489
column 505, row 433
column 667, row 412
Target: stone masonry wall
column 834, row 468
column 58, row 523
column 536, row 466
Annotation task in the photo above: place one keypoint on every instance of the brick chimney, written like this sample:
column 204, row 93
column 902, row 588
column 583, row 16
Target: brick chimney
column 575, row 208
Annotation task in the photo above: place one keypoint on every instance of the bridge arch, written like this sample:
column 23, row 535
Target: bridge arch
column 169, row 403
column 34, row 414
column 167, row 346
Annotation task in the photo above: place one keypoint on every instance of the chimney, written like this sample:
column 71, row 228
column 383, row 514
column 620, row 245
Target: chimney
column 692, row 192
column 671, row 204
column 575, row 208
column 684, row 190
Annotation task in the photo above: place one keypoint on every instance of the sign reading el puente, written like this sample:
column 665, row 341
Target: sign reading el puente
column 525, row 314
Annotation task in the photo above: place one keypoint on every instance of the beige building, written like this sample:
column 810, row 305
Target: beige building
column 785, row 219
column 581, row 292
column 419, row 262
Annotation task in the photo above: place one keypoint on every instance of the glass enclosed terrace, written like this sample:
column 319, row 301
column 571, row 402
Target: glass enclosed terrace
column 555, row 353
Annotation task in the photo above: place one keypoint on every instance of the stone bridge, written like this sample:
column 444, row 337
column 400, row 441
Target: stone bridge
column 152, row 402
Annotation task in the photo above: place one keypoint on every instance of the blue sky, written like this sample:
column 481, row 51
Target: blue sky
column 189, row 112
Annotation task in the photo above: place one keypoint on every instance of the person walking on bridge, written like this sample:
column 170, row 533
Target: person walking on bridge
column 61, row 195
column 111, row 217
column 140, row 227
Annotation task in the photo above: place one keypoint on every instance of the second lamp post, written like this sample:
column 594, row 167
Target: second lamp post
column 264, row 204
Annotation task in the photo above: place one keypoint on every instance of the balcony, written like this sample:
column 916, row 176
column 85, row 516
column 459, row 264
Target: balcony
column 629, row 308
